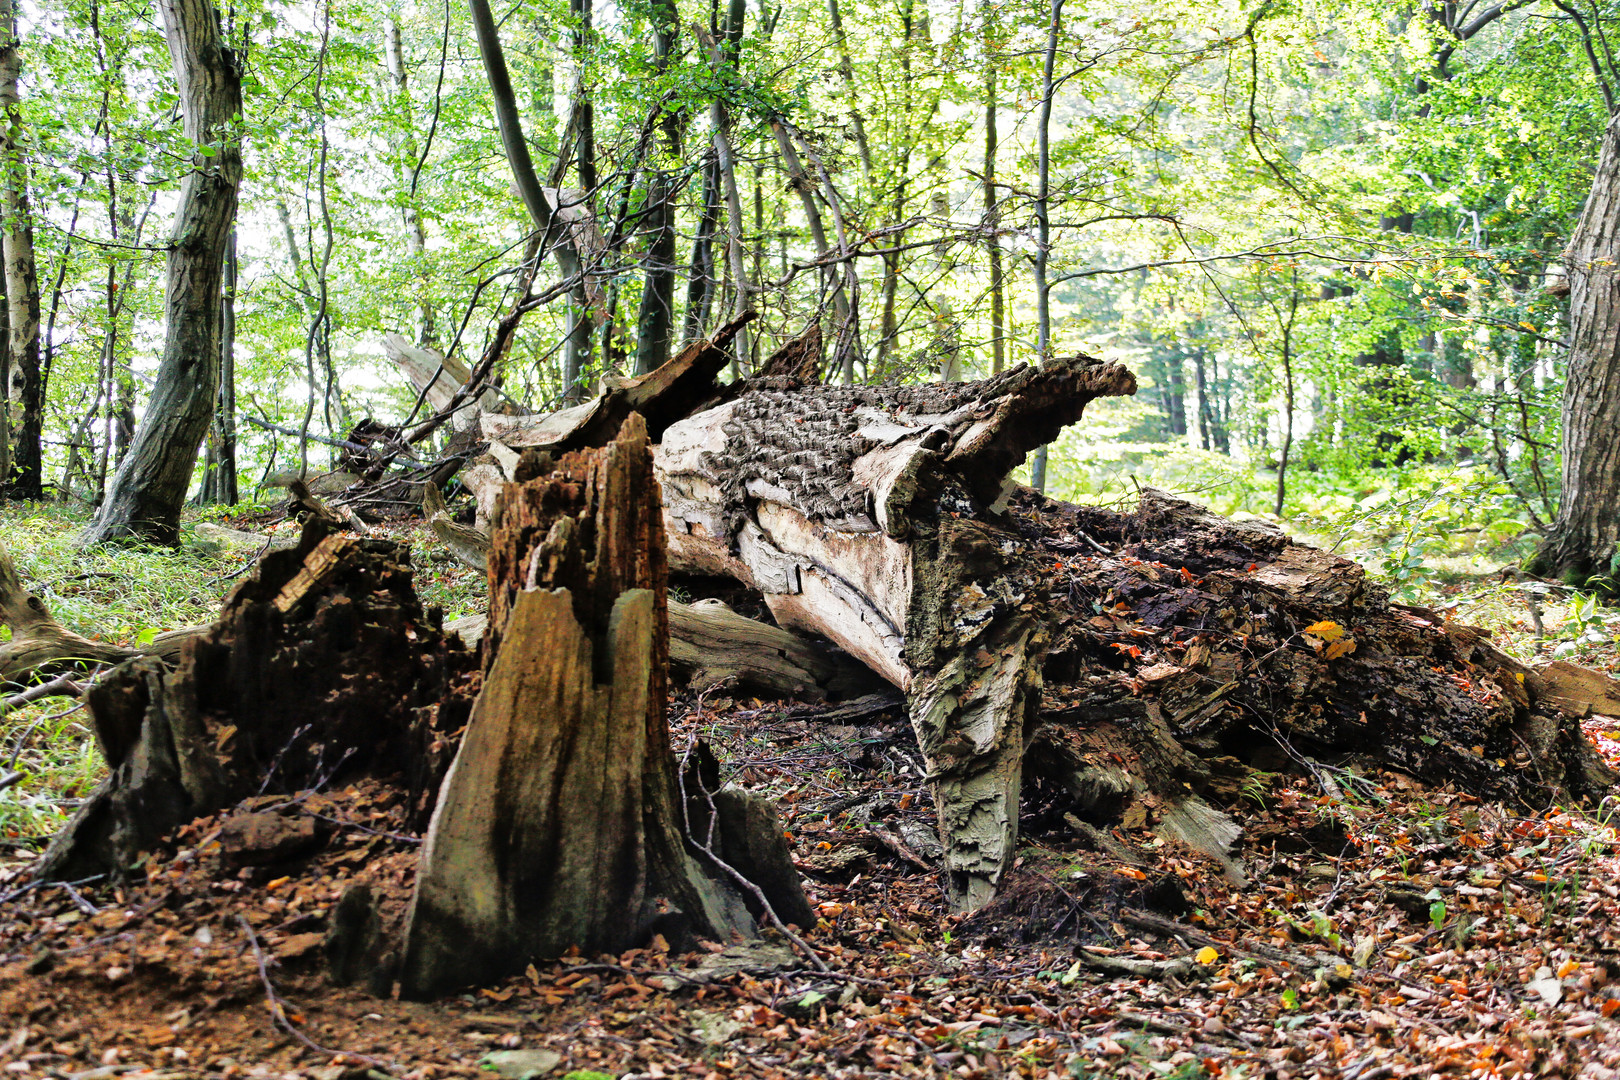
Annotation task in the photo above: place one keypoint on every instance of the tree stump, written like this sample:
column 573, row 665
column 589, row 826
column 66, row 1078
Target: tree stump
column 560, row 823
column 322, row 667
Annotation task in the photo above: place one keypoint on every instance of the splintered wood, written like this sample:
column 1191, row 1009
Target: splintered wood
column 319, row 568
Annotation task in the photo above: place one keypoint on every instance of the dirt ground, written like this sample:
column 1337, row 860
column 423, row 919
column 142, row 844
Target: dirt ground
column 1381, row 931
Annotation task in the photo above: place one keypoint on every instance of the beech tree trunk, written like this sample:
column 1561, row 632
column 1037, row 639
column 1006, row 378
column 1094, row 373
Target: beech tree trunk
column 149, row 489
column 656, row 322
column 1582, row 547
column 24, row 478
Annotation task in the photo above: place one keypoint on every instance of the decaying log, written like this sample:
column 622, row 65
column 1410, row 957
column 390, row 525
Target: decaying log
column 38, row 642
column 561, row 823
column 1145, row 658
column 857, row 512
column 711, row 645
column 1578, row 691
column 469, row 546
column 674, row 390
column 323, row 666
column 438, row 377
column 1189, row 645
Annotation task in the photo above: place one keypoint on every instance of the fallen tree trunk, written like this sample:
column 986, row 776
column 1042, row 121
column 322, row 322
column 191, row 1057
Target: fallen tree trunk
column 1137, row 656
column 712, row 646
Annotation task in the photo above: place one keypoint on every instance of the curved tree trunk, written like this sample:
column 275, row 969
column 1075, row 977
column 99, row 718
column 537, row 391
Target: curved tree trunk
column 150, row 486
column 1584, row 538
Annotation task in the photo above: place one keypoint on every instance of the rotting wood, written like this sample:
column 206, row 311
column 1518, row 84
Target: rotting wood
column 1578, row 691
column 857, row 512
column 665, row 395
column 468, row 545
column 1131, row 655
column 351, row 679
column 559, row 824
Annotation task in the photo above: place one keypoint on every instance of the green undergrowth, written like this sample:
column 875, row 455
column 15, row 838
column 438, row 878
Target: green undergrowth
column 128, row 595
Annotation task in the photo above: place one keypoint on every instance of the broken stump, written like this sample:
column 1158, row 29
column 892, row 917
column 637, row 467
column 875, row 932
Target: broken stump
column 559, row 824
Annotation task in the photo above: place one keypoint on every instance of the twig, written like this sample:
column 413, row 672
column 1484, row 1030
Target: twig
column 737, row 875
column 6, row 898
column 61, row 686
column 278, row 1008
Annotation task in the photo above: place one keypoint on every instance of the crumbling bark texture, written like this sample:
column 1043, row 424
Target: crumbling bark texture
column 866, row 514
column 322, row 667
column 1185, row 644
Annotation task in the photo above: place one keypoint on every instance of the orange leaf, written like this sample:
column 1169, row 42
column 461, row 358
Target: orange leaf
column 1340, row 648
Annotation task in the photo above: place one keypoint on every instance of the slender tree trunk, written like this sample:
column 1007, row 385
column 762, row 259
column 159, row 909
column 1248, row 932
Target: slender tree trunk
column 510, row 124
column 700, row 275
column 6, row 383
column 1043, row 221
column 410, row 212
column 318, row 340
column 723, row 57
column 1584, row 539
column 655, row 330
column 577, row 352
column 150, row 487
column 220, row 485
column 1287, row 346
column 847, row 290
column 24, row 478
column 846, row 73
column 992, row 203
column 805, row 187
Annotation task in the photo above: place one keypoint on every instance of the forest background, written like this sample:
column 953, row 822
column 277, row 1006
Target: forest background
column 1327, row 239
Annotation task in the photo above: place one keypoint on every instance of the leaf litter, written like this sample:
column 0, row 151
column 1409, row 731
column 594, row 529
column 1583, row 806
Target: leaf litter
column 1387, row 930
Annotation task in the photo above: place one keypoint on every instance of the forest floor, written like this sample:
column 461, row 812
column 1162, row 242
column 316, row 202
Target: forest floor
column 1379, row 930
